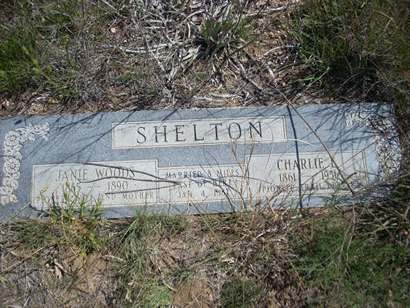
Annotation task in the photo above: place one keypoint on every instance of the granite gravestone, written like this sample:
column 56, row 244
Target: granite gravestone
column 197, row 161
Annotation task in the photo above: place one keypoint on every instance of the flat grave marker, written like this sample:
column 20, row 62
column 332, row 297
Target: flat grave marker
column 197, row 161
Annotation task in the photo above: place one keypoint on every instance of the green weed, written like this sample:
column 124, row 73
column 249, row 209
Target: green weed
column 353, row 42
column 216, row 36
column 147, row 225
column 142, row 80
column 72, row 224
column 19, row 61
column 61, row 81
column 348, row 269
column 59, row 18
column 35, row 54
column 240, row 292
column 139, row 279
column 157, row 296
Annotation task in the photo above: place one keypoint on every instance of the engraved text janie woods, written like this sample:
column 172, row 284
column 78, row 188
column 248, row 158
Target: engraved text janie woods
column 142, row 182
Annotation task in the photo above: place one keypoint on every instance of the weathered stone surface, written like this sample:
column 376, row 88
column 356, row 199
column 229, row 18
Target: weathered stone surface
column 194, row 161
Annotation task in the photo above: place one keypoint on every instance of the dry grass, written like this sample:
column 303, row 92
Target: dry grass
column 108, row 55
column 228, row 260
column 232, row 260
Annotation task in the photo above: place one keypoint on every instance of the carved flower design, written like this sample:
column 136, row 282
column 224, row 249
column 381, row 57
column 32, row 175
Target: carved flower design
column 6, row 190
column 26, row 135
column 10, row 152
column 12, row 166
column 7, row 199
column 13, row 143
column 40, row 130
column 3, row 191
column 11, row 183
column 12, row 138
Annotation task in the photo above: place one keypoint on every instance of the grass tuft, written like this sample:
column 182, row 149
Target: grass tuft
column 217, row 36
column 138, row 274
column 35, row 54
column 343, row 267
column 354, row 43
column 72, row 225
column 59, row 18
column 19, row 61
column 240, row 292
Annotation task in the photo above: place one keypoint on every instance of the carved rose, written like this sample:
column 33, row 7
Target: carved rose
column 11, row 166
column 12, row 139
column 13, row 143
column 10, row 152
column 11, row 184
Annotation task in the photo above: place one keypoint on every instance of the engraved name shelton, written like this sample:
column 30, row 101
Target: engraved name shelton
column 204, row 131
column 195, row 133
